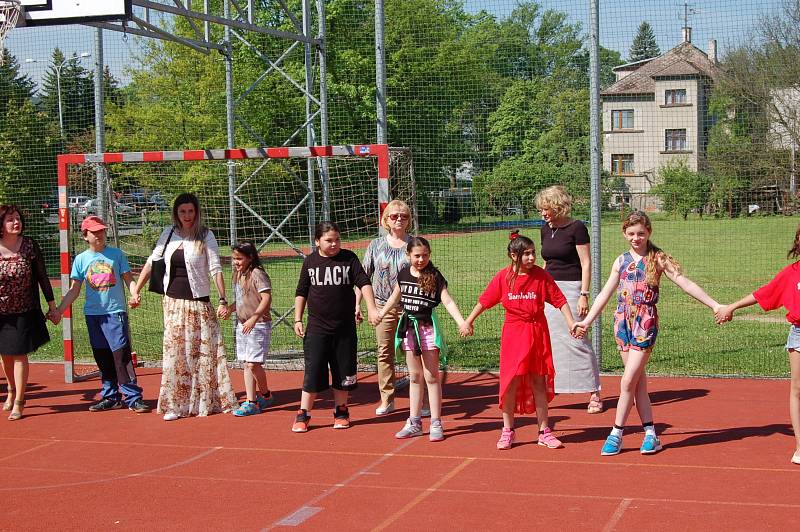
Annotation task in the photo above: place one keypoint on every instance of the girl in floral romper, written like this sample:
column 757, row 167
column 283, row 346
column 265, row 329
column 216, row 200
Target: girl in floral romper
column 635, row 275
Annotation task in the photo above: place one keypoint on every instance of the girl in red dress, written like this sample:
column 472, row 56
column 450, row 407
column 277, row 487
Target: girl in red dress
column 526, row 359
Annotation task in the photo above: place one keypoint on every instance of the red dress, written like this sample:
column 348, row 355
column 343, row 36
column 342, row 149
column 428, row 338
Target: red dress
column 525, row 342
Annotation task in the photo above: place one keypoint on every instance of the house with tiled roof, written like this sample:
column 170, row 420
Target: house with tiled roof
column 656, row 112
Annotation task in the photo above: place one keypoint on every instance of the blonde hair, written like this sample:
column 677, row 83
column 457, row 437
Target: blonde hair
column 396, row 205
column 654, row 253
column 556, row 198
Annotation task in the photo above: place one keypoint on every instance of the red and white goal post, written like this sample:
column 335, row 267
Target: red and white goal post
column 272, row 196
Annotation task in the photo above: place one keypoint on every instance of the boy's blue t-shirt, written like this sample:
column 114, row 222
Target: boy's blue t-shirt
column 102, row 272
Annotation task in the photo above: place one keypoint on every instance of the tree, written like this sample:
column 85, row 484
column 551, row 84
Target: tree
column 681, row 189
column 76, row 93
column 644, row 45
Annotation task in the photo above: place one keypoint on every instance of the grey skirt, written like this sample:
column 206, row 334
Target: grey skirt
column 576, row 365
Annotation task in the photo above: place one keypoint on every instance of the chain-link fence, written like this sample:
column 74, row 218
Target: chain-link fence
column 699, row 127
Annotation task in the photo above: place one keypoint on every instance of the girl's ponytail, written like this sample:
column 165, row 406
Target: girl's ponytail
column 795, row 251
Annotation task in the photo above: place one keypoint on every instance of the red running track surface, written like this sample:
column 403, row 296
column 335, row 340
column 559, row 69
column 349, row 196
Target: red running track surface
column 725, row 465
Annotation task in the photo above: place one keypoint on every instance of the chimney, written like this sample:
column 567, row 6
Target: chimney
column 712, row 51
column 687, row 34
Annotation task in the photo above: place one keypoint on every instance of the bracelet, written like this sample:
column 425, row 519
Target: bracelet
column 298, row 321
column 585, row 294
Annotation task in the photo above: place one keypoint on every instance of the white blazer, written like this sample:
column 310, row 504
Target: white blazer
column 200, row 266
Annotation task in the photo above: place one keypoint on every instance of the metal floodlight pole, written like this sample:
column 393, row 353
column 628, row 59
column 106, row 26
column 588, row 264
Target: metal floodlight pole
column 229, row 117
column 100, row 131
column 595, row 155
column 323, row 106
column 310, row 135
column 380, row 72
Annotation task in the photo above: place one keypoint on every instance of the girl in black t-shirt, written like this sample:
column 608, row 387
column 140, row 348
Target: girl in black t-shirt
column 420, row 288
column 327, row 282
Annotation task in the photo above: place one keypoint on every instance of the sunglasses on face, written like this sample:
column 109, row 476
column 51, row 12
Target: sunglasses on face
column 394, row 217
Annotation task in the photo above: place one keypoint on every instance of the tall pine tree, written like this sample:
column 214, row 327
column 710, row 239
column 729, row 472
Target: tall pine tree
column 644, row 44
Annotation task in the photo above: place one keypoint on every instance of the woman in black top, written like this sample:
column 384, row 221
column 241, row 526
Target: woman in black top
column 565, row 250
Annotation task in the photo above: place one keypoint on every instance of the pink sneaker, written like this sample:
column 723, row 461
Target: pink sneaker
column 506, row 439
column 547, row 439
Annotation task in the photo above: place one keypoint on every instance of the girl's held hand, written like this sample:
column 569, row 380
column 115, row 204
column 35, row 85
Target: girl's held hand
column 376, row 319
column 466, row 329
column 722, row 314
column 135, row 300
column 298, row 329
column 249, row 324
column 223, row 312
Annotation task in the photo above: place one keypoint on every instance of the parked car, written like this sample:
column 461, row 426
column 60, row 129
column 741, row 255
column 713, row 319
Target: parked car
column 92, row 206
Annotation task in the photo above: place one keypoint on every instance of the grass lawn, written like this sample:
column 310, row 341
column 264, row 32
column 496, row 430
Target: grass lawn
column 728, row 258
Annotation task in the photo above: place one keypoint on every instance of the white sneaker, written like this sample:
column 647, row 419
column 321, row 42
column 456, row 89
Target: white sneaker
column 171, row 416
column 410, row 430
column 383, row 410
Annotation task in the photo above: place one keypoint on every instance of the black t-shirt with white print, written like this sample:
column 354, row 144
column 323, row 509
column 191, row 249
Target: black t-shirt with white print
column 327, row 284
column 416, row 302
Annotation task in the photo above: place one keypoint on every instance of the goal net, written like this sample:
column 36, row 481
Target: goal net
column 271, row 196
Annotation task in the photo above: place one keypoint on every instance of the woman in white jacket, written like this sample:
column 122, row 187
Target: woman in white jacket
column 195, row 379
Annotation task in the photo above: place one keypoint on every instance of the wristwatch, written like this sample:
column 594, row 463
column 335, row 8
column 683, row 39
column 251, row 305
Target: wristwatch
column 584, row 293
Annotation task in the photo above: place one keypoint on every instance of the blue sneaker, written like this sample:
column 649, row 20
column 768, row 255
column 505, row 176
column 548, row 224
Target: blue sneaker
column 265, row 402
column 650, row 445
column 612, row 445
column 247, row 409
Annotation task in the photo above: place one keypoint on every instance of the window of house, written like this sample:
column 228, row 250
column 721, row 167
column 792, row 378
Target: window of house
column 675, row 140
column 674, row 96
column 622, row 119
column 622, row 164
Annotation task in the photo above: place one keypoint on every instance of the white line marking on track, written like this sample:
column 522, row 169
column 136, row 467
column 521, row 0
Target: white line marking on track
column 301, row 515
column 120, row 477
column 617, row 515
column 26, row 451
column 333, row 489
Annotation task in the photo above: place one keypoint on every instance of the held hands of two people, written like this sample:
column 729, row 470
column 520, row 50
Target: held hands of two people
column 578, row 329
column 466, row 329
column 723, row 314
column 54, row 316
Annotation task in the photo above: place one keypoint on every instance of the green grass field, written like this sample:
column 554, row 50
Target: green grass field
column 728, row 258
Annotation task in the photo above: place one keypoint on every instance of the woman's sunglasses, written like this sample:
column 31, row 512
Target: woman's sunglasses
column 394, row 217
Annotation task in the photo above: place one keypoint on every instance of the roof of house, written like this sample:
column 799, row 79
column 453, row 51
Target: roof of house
column 683, row 60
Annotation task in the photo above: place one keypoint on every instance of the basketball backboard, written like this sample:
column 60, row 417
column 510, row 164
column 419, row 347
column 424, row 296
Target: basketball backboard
column 41, row 12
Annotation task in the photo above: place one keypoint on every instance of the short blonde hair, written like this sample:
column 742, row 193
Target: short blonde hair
column 556, row 198
column 396, row 205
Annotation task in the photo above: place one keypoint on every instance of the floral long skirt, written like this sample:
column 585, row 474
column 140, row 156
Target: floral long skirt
column 194, row 379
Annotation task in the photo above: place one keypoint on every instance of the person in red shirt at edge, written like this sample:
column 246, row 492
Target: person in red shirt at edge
column 527, row 374
column 782, row 291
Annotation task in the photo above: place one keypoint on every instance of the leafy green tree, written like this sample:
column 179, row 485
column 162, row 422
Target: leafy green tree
column 644, row 45
column 77, row 93
column 681, row 189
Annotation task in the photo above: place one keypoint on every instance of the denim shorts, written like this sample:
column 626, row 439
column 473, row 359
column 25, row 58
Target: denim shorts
column 793, row 341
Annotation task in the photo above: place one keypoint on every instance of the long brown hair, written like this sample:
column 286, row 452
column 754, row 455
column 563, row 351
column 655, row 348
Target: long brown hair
column 517, row 245
column 427, row 277
column 795, row 251
column 654, row 253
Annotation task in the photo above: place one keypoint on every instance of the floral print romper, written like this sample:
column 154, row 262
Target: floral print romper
column 636, row 317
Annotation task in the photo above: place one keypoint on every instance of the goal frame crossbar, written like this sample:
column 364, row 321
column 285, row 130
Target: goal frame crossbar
column 380, row 152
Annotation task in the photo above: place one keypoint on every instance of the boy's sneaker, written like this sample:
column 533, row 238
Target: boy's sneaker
column 140, row 407
column 410, row 430
column 301, row 421
column 247, row 408
column 506, row 439
column 341, row 418
column 105, row 404
column 547, row 439
column 436, row 432
column 650, row 445
column 612, row 446
column 265, row 402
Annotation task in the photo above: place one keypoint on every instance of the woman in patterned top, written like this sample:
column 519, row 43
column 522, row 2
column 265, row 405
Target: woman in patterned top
column 635, row 276
column 22, row 324
column 384, row 257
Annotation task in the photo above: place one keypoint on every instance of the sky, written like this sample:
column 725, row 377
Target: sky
column 730, row 22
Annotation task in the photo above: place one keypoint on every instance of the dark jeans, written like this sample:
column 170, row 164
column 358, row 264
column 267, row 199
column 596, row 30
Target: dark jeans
column 118, row 375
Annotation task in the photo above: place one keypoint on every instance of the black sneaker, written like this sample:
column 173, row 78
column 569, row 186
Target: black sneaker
column 105, row 404
column 140, row 407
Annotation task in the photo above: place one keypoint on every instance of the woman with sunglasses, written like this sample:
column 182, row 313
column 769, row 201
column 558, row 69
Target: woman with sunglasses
column 384, row 258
